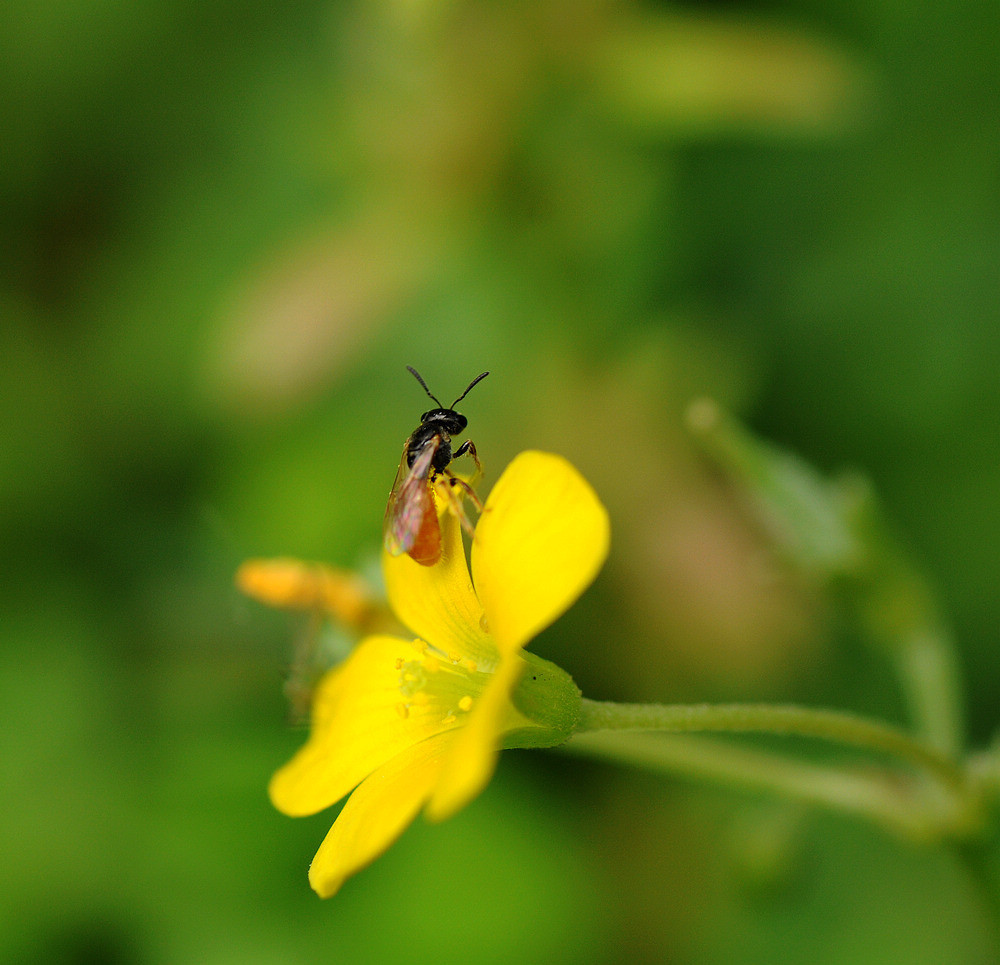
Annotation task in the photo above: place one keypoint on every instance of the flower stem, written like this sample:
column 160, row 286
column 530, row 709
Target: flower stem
column 873, row 796
column 833, row 532
column 898, row 610
column 830, row 725
column 954, row 805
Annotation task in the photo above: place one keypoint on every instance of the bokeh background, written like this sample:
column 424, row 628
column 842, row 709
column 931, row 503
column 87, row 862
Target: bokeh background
column 226, row 228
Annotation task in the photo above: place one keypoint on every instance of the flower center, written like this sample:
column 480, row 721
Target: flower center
column 444, row 685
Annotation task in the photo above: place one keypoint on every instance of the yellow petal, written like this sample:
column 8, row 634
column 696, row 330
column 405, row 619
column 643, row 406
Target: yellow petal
column 473, row 751
column 438, row 602
column 376, row 814
column 541, row 539
column 361, row 719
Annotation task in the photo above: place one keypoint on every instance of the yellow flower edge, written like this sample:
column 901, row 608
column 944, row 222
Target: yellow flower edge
column 418, row 724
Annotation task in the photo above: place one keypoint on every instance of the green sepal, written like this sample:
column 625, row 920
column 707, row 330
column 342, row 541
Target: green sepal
column 549, row 700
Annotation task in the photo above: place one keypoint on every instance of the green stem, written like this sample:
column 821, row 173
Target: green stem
column 877, row 797
column 929, row 672
column 949, row 800
column 833, row 531
column 900, row 614
column 829, row 725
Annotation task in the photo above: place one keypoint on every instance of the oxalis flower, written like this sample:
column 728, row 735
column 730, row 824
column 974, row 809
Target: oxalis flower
column 417, row 724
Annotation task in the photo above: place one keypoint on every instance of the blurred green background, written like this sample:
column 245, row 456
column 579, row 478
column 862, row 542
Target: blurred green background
column 226, row 228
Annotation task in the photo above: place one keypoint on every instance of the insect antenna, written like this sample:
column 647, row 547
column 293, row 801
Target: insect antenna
column 416, row 375
column 478, row 378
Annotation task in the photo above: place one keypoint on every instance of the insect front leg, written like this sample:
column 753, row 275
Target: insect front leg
column 469, row 447
column 455, row 491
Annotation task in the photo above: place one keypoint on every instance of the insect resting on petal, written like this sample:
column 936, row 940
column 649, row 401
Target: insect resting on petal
column 414, row 720
column 411, row 521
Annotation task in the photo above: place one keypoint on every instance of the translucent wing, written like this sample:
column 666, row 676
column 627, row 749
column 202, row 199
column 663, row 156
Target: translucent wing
column 426, row 548
column 411, row 523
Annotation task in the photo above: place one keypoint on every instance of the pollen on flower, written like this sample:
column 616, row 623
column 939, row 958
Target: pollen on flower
column 471, row 666
column 399, row 663
column 412, row 678
column 465, row 703
column 402, row 710
column 431, row 663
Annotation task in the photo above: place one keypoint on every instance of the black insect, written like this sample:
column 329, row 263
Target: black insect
column 411, row 521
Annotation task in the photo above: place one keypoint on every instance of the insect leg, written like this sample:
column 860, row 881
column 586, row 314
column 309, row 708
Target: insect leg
column 456, row 499
column 456, row 481
column 469, row 447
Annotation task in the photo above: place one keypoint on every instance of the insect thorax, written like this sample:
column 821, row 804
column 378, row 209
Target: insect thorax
column 430, row 434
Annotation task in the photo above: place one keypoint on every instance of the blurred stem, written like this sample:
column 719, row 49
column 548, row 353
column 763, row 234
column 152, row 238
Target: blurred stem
column 952, row 804
column 900, row 614
column 928, row 670
column 833, row 532
column 881, row 800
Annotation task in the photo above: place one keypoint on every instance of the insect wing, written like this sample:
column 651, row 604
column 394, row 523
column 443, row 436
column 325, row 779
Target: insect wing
column 410, row 502
column 426, row 548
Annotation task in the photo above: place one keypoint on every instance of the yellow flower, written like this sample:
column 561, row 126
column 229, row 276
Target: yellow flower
column 417, row 724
